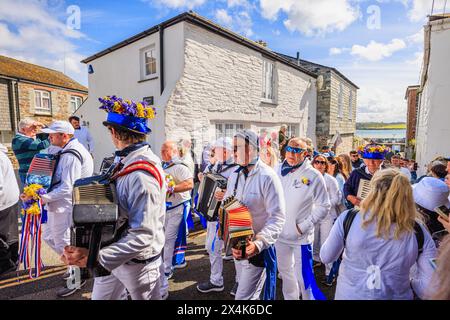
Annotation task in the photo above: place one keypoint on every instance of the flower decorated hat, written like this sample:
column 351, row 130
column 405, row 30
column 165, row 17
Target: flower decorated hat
column 373, row 151
column 127, row 114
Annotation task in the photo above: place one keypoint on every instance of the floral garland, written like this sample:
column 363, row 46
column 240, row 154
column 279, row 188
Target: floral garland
column 170, row 185
column 127, row 107
column 372, row 149
column 34, row 192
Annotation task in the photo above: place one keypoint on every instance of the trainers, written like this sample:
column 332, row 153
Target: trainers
column 66, row 275
column 169, row 275
column 279, row 276
column 65, row 292
column 165, row 296
column 235, row 287
column 208, row 287
column 228, row 258
column 180, row 266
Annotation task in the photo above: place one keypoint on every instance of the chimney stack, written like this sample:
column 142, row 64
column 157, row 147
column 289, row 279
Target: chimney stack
column 262, row 43
column 298, row 58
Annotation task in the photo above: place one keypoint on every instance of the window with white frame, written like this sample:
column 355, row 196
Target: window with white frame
column 292, row 131
column 350, row 105
column 42, row 102
column 148, row 62
column 228, row 129
column 75, row 103
column 341, row 101
column 268, row 89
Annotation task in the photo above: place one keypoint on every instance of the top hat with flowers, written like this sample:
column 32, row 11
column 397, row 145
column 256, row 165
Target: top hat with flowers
column 373, row 151
column 127, row 114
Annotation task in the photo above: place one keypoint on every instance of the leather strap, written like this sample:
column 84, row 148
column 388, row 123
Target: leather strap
column 141, row 165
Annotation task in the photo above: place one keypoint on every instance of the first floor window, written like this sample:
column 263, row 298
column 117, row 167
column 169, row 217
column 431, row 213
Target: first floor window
column 268, row 91
column 228, row 129
column 75, row 103
column 292, row 131
column 42, row 102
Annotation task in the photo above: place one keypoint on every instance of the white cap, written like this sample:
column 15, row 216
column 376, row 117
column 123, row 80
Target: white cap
column 430, row 193
column 225, row 143
column 59, row 127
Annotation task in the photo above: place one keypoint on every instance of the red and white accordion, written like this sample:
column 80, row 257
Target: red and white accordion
column 236, row 225
column 41, row 170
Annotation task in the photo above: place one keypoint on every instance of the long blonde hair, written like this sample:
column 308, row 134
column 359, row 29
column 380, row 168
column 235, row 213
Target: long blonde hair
column 347, row 164
column 389, row 202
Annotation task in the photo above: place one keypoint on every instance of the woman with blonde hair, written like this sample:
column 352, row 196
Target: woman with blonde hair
column 346, row 164
column 386, row 252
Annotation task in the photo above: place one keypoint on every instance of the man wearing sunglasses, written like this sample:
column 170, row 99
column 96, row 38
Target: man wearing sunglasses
column 357, row 162
column 257, row 186
column 307, row 203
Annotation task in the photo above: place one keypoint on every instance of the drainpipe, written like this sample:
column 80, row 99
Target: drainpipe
column 16, row 89
column 12, row 113
column 161, row 57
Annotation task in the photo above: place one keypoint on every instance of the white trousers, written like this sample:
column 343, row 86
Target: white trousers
column 251, row 281
column 321, row 232
column 289, row 262
column 141, row 281
column 171, row 227
column 215, row 257
column 56, row 232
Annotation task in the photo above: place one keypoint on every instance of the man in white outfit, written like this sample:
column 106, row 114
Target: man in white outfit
column 307, row 203
column 224, row 167
column 176, row 212
column 257, row 186
column 82, row 134
column 74, row 163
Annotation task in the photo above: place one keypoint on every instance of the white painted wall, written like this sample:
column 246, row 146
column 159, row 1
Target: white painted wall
column 433, row 131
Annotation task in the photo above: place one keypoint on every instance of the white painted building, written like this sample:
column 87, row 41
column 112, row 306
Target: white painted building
column 205, row 82
column 433, row 119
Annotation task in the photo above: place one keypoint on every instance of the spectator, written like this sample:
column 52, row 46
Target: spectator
column 282, row 140
column 27, row 143
column 267, row 153
column 82, row 134
column 382, row 258
column 440, row 289
column 357, row 162
column 430, row 193
column 9, row 209
column 347, row 167
column 448, row 164
column 335, row 169
column 439, row 171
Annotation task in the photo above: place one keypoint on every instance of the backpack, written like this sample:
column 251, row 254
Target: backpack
column 348, row 220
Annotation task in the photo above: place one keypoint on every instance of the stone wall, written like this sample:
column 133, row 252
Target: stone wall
column 222, row 81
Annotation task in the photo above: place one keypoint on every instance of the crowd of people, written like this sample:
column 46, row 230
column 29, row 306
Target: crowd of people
column 306, row 205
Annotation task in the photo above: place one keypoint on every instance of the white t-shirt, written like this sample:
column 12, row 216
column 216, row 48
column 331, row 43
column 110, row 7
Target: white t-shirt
column 180, row 173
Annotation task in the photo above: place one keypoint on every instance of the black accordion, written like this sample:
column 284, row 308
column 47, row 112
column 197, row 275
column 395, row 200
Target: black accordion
column 207, row 205
column 95, row 215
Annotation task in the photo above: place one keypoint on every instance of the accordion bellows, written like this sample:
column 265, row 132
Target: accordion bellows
column 41, row 170
column 207, row 205
column 237, row 224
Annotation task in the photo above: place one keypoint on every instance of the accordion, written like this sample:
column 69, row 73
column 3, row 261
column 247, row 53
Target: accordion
column 236, row 225
column 95, row 215
column 107, row 163
column 41, row 170
column 207, row 204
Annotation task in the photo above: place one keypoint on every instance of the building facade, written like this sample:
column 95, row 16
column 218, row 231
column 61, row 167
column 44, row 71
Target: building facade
column 412, row 103
column 336, row 106
column 433, row 129
column 204, row 81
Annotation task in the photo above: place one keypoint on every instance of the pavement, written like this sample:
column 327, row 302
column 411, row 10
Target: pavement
column 18, row 286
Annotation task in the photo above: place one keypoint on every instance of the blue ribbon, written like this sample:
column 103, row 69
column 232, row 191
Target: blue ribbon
column 203, row 221
column 181, row 241
column 334, row 270
column 308, row 273
column 130, row 122
column 270, row 262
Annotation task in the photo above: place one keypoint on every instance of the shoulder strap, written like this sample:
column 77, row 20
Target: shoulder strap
column 73, row 152
column 348, row 222
column 175, row 163
column 363, row 173
column 419, row 236
column 140, row 166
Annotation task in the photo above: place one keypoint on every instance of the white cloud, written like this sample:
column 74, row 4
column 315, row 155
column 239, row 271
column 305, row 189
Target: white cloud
column 417, row 60
column 223, row 17
column 376, row 51
column 421, row 8
column 177, row 4
column 38, row 37
column 238, row 3
column 416, row 38
column 336, row 51
column 312, row 17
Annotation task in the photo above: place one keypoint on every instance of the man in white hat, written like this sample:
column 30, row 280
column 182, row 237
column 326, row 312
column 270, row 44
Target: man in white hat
column 224, row 166
column 74, row 163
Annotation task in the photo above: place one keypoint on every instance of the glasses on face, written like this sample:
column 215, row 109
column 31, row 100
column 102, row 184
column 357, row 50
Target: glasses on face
column 354, row 156
column 320, row 162
column 294, row 150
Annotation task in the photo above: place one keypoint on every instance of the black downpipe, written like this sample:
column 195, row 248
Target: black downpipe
column 12, row 113
column 161, row 57
column 16, row 85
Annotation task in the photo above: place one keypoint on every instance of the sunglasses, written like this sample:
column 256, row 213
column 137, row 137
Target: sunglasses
column 320, row 162
column 294, row 150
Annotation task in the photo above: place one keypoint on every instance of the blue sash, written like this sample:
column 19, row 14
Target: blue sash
column 181, row 241
column 270, row 263
column 308, row 273
column 334, row 270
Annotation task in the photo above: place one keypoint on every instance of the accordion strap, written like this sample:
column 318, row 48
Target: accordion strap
column 141, row 166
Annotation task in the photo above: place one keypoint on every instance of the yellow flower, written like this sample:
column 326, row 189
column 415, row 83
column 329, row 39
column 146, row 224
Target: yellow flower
column 150, row 113
column 34, row 209
column 31, row 191
column 140, row 110
column 305, row 181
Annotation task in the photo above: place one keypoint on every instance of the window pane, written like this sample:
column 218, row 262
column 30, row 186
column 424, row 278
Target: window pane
column 37, row 99
column 46, row 103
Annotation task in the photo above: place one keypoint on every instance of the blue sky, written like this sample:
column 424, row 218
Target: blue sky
column 378, row 44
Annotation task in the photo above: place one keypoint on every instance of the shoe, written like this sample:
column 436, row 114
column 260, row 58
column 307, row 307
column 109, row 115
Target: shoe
column 165, row 296
column 206, row 287
column 228, row 258
column 279, row 276
column 180, row 266
column 235, row 287
column 169, row 275
column 66, row 275
column 65, row 292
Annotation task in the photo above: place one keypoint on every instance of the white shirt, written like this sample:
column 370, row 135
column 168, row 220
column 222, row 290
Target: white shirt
column 69, row 169
column 335, row 195
column 144, row 204
column 375, row 268
column 306, row 205
column 84, row 137
column 263, row 194
column 9, row 190
column 179, row 173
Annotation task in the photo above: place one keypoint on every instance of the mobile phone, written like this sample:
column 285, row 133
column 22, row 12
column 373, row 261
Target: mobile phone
column 443, row 211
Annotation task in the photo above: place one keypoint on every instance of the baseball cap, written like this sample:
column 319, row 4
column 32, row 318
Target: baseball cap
column 225, row 143
column 249, row 136
column 59, row 127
